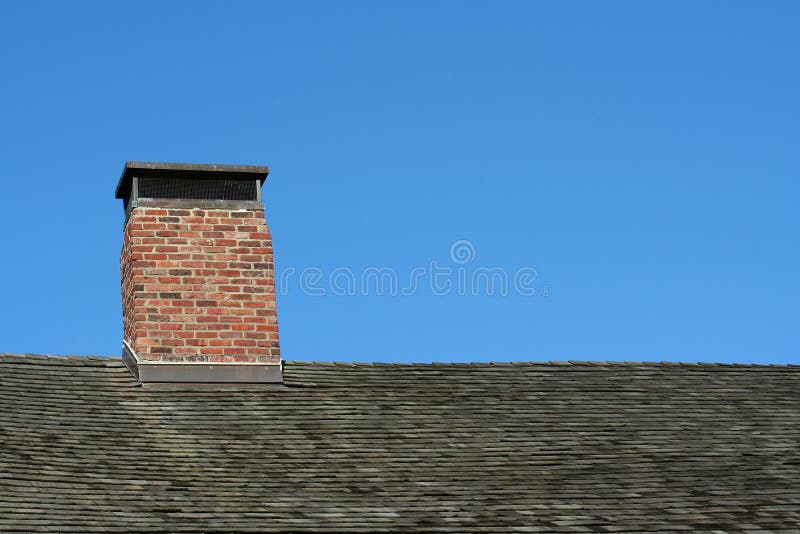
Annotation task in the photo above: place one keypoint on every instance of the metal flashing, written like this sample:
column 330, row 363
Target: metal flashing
column 200, row 373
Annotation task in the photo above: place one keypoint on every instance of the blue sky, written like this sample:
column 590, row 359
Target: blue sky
column 642, row 157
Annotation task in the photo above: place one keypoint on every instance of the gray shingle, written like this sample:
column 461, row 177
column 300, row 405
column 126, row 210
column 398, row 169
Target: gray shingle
column 566, row 447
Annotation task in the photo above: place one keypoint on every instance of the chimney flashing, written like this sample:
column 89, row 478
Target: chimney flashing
column 192, row 374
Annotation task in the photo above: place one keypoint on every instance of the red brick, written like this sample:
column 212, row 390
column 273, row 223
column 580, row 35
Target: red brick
column 189, row 288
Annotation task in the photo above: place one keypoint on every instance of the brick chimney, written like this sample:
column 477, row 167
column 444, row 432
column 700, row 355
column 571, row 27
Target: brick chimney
column 198, row 286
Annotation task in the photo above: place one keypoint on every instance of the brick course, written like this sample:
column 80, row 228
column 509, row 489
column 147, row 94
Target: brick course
column 198, row 285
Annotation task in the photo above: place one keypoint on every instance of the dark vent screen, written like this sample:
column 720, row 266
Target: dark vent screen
column 215, row 189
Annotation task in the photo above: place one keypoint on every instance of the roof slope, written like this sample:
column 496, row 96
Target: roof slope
column 549, row 447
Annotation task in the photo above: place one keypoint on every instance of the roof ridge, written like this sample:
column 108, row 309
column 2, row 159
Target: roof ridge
column 550, row 363
column 523, row 363
column 71, row 357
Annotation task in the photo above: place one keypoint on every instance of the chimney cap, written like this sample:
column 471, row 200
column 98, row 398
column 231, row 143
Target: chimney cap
column 195, row 170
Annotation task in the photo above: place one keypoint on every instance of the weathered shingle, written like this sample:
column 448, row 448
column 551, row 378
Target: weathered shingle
column 569, row 447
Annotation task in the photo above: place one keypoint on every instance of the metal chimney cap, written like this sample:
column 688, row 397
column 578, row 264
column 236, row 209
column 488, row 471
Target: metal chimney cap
column 187, row 170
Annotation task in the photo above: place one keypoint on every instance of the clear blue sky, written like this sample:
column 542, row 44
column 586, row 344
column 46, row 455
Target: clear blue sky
column 643, row 157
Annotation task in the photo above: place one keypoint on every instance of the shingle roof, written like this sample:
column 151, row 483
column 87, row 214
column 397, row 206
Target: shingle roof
column 443, row 447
